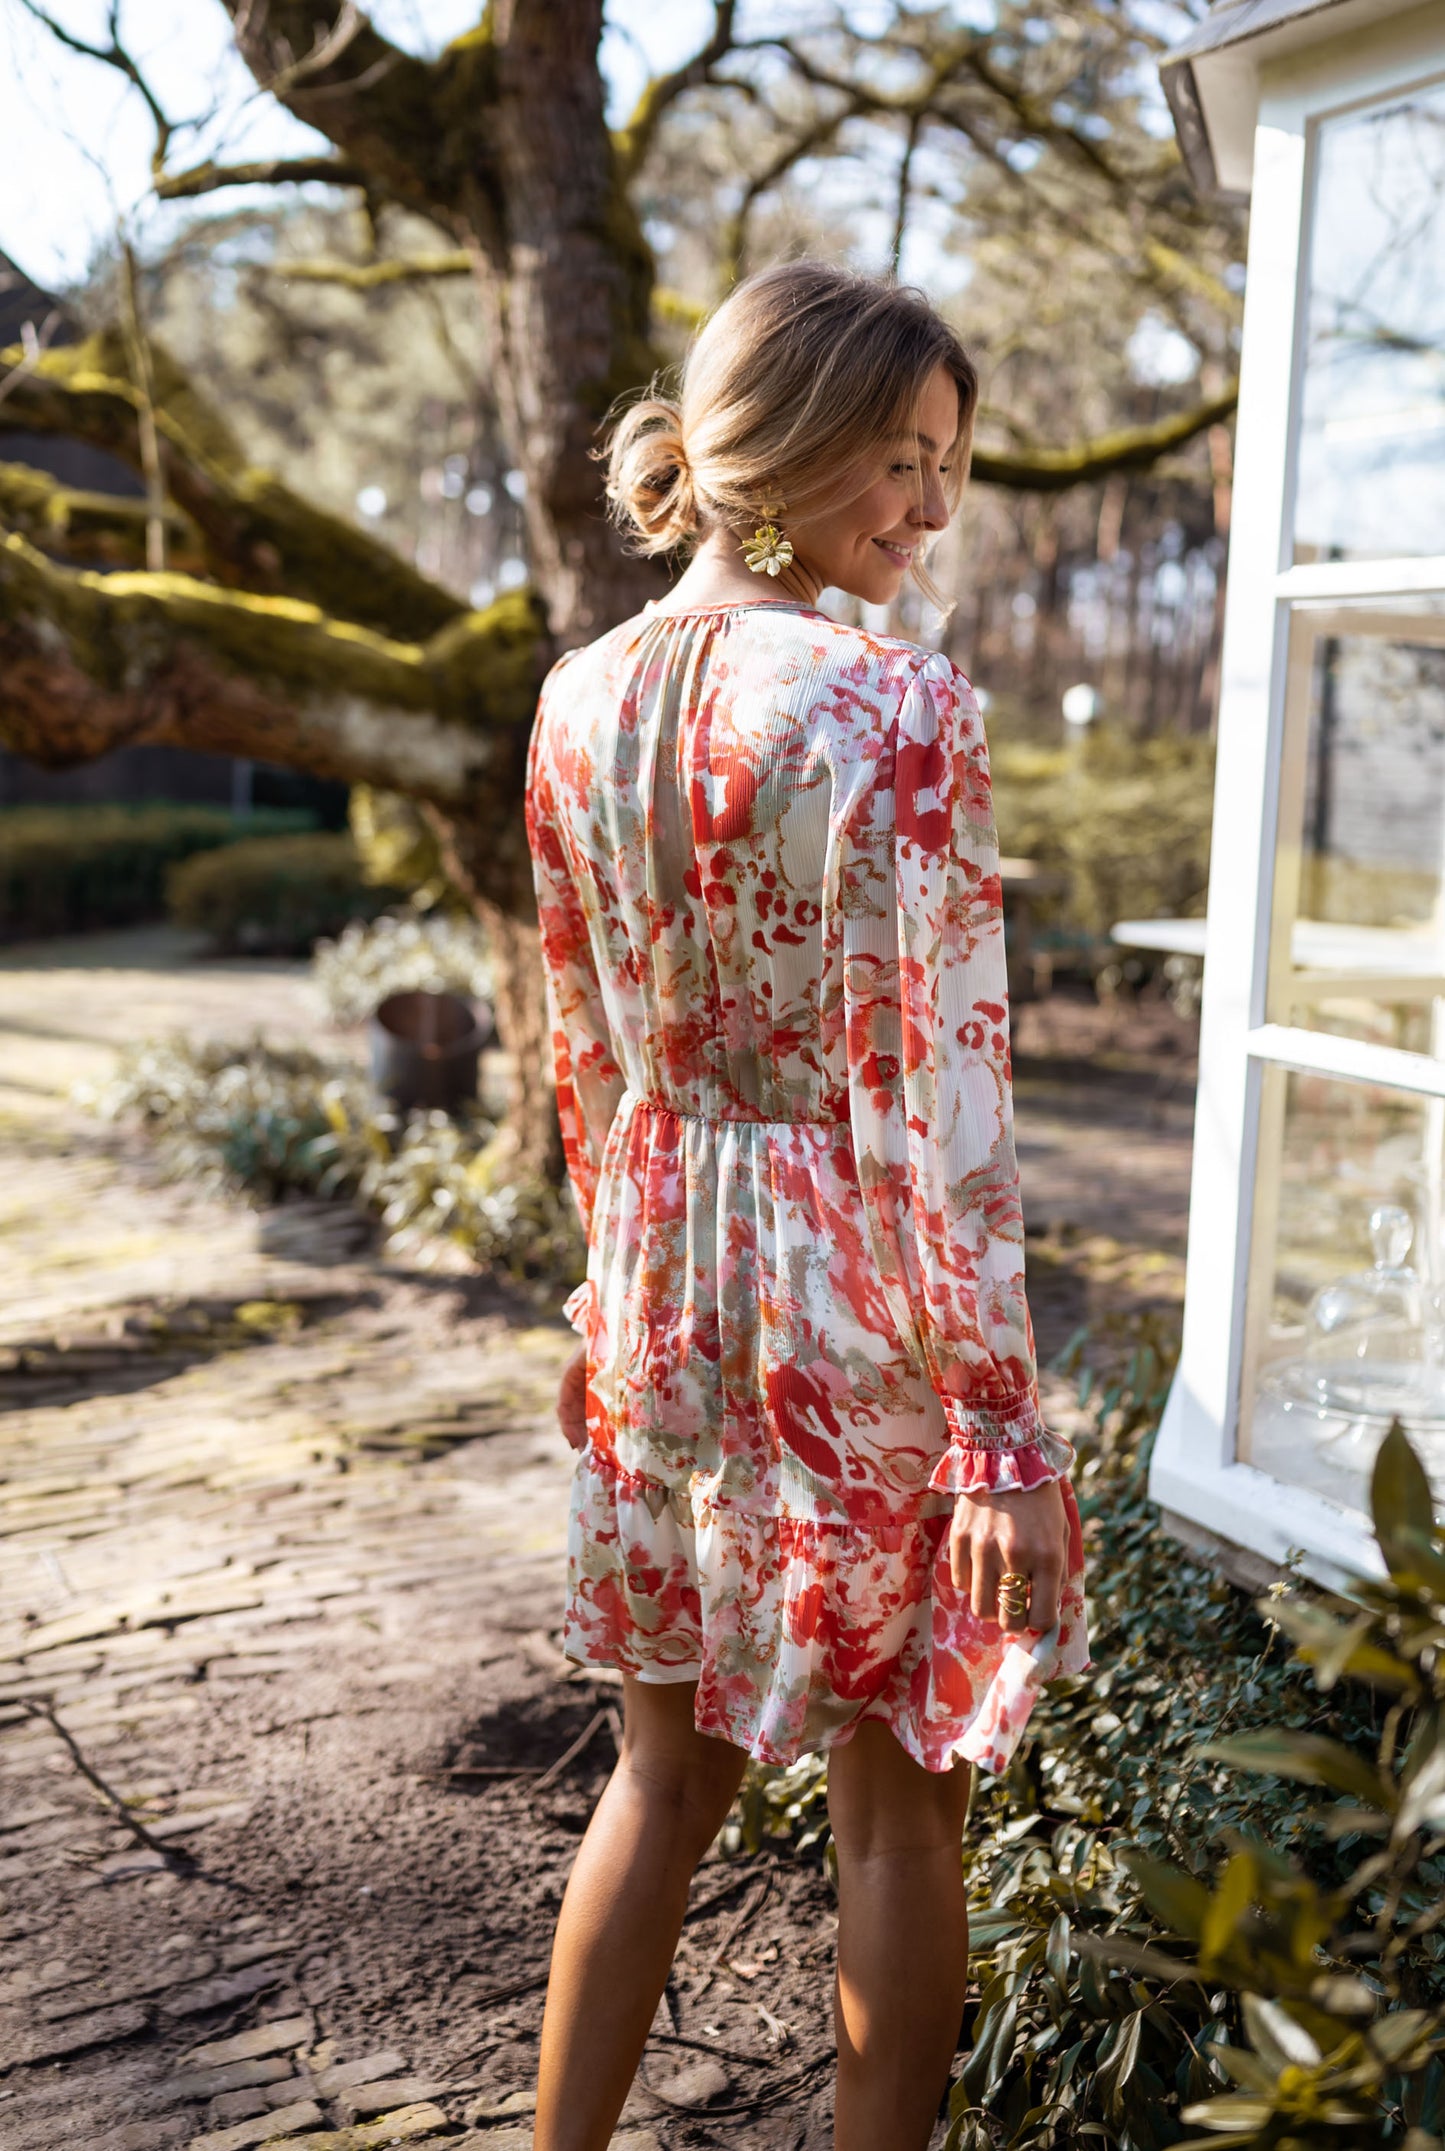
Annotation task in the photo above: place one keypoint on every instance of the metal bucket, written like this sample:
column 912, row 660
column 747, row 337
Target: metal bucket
column 425, row 1048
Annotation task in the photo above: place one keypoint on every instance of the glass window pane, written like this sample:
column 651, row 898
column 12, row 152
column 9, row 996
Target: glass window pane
column 1347, row 1283
column 1360, row 890
column 1372, row 430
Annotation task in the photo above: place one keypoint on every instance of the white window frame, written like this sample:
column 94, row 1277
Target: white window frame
column 1194, row 1472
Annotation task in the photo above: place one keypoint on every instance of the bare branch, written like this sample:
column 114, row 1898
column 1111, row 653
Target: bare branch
column 142, row 373
column 367, row 276
column 635, row 139
column 209, row 178
column 905, row 181
column 112, row 55
column 803, row 144
column 382, row 107
column 1054, row 470
column 33, row 342
column 328, row 45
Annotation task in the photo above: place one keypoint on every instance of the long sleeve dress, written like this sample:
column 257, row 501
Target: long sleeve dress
column 767, row 879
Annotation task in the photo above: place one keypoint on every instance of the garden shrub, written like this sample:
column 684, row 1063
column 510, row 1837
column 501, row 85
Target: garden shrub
column 277, row 895
column 399, row 848
column 438, row 952
column 1175, row 1935
column 73, row 870
column 269, row 1123
column 1123, row 822
column 1171, row 1935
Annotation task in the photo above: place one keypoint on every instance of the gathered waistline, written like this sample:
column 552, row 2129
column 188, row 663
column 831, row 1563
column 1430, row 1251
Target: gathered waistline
column 641, row 1101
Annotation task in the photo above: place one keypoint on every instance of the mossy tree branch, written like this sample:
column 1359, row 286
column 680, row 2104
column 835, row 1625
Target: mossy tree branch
column 93, row 662
column 371, row 275
column 419, row 129
column 252, row 531
column 1054, row 470
column 210, row 177
column 99, row 529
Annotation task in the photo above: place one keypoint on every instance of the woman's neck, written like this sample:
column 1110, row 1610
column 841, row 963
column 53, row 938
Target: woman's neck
column 717, row 574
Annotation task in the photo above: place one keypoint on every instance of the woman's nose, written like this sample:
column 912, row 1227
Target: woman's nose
column 931, row 512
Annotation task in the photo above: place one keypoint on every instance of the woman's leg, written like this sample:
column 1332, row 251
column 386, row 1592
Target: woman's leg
column 622, row 1912
column 902, row 1938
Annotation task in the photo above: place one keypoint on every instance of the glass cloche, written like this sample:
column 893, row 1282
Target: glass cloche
column 1374, row 1346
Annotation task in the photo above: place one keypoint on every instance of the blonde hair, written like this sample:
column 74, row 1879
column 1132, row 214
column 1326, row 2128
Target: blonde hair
column 805, row 373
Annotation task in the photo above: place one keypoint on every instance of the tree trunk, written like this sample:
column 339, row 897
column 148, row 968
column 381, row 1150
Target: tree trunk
column 569, row 293
column 530, row 1140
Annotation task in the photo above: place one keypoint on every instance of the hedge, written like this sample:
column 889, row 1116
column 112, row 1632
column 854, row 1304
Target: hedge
column 276, row 895
column 72, row 870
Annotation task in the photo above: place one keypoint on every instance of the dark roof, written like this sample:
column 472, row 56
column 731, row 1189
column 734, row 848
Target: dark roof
column 22, row 301
column 74, row 463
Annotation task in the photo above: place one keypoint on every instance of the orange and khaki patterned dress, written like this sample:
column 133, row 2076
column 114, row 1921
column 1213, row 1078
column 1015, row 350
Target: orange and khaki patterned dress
column 768, row 883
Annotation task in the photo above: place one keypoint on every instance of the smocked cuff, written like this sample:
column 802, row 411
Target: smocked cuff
column 1007, row 1450
column 577, row 1306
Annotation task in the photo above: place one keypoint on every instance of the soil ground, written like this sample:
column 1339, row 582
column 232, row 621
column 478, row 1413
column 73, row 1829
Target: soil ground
column 291, row 1769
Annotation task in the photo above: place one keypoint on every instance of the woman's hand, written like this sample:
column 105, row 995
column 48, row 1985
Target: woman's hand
column 1024, row 1531
column 572, row 1399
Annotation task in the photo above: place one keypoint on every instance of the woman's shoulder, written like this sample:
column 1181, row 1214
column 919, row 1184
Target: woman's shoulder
column 891, row 665
column 895, row 663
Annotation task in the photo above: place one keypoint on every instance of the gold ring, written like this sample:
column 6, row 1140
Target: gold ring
column 1012, row 1577
column 1012, row 1597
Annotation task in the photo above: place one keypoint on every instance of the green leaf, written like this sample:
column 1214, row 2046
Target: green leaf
column 1127, row 2053
column 1276, row 2036
column 1422, row 1804
column 1308, row 1758
column 1333, row 1646
column 1248, row 2069
column 1238, row 1887
column 1393, row 2036
column 1231, row 2110
column 986, row 1930
column 1171, row 1895
column 1401, row 1503
column 1057, row 1953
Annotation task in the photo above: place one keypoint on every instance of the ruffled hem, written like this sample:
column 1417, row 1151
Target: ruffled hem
column 963, row 1469
column 797, row 1630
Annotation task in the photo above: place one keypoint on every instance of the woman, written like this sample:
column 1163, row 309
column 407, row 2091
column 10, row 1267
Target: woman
column 816, row 1505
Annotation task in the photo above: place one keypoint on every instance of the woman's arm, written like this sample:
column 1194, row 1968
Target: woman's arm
column 588, row 1079
column 933, row 1123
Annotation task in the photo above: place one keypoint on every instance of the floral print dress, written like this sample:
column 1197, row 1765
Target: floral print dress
column 767, row 878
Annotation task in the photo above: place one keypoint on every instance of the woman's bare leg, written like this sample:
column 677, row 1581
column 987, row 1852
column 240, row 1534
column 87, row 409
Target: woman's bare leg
column 902, row 1938
column 622, row 1912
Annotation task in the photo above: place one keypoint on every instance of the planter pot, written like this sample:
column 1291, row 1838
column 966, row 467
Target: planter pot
column 424, row 1049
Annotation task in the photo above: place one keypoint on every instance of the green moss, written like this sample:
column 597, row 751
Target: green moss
column 482, row 671
column 488, row 666
column 256, row 529
column 102, row 364
column 284, row 640
column 348, row 574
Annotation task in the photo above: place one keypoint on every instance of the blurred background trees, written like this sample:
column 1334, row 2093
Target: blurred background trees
column 363, row 567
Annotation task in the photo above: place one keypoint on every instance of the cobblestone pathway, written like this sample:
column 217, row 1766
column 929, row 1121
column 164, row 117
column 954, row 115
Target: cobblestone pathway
column 290, row 1767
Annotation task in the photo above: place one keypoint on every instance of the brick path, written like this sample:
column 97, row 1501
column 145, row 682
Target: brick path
column 281, row 1532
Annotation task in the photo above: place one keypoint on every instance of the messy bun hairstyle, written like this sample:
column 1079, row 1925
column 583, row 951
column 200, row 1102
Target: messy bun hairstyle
column 789, row 393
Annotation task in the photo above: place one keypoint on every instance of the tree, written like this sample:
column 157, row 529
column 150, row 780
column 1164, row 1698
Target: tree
column 277, row 630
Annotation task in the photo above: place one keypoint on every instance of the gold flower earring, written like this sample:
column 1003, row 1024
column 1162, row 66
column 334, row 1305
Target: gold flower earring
column 768, row 552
